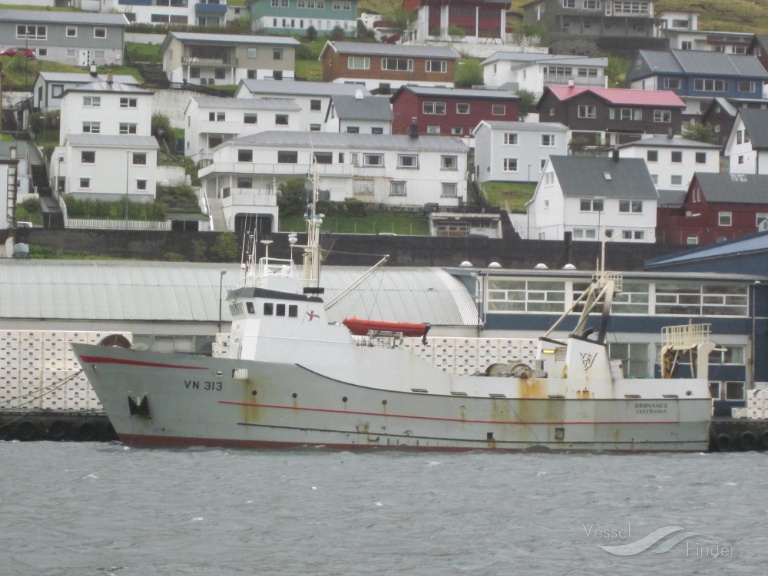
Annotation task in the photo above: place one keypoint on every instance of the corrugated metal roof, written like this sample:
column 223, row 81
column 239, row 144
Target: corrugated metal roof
column 83, row 78
column 112, row 140
column 301, row 88
column 490, row 93
column 354, row 141
column 699, row 62
column 757, row 243
column 659, row 141
column 102, row 86
column 233, row 38
column 393, row 50
column 590, row 177
column 545, row 58
column 189, row 292
column 734, row 188
column 246, row 103
column 628, row 96
column 64, row 17
column 525, row 126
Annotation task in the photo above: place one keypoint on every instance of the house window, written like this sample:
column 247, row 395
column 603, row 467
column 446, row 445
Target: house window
column 462, row 108
column 245, row 156
column 324, row 157
column 314, row 127
column 746, row 86
column 724, row 219
column 510, row 138
column 277, row 53
column 373, row 160
column 250, row 119
column 676, row 180
column 692, row 240
column 358, row 63
column 128, row 102
column 99, row 32
column 457, row 130
column 701, row 157
column 433, row 129
column 194, row 72
column 281, row 119
column 673, row 83
column 56, row 90
column 587, row 111
column 141, row 184
column 652, row 156
column 677, row 156
column 449, row 162
column 219, row 74
column 88, row 157
column 253, row 53
column 591, row 4
column 91, row 101
column 71, row 32
column 510, row 164
column 428, row 107
column 244, row 182
column 139, row 158
column 449, row 190
column 31, row 32
column 591, row 205
column 437, row 66
column 631, row 206
column 397, row 188
column 91, row 127
column 315, row 105
column 85, row 182
column 277, row 74
column 353, row 129
column 662, row 116
column 127, row 128
column 708, row 85
column 548, row 140
column 287, row 157
column 498, row 110
column 399, row 64
column 216, row 116
column 569, row 3
column 407, row 161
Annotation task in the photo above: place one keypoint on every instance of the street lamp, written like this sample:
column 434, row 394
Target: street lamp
column 221, row 285
column 127, row 183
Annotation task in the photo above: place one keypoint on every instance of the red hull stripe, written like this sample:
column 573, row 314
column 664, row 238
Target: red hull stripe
column 142, row 441
column 104, row 360
column 388, row 415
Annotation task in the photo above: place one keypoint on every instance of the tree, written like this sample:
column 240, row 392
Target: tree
column 337, row 34
column 526, row 102
column 225, row 248
column 291, row 197
column 310, row 34
column 456, row 33
column 162, row 129
column 400, row 20
column 469, row 73
column 699, row 132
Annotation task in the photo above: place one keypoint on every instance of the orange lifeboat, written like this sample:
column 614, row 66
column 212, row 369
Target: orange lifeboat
column 362, row 327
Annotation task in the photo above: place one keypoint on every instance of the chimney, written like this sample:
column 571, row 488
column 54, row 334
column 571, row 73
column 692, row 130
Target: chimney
column 359, row 94
column 414, row 128
column 615, row 155
column 570, row 82
column 109, row 77
column 669, row 134
column 93, row 71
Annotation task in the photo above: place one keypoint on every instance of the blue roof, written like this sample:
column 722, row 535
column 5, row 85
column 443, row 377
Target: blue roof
column 757, row 243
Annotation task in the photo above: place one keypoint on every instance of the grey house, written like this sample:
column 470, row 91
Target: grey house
column 49, row 86
column 75, row 38
column 359, row 114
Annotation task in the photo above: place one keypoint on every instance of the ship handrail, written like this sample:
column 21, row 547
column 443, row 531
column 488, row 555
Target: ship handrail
column 685, row 336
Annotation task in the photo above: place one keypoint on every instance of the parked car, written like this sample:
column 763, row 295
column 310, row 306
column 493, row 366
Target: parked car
column 28, row 52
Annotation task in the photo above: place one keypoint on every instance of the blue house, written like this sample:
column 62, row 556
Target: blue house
column 698, row 76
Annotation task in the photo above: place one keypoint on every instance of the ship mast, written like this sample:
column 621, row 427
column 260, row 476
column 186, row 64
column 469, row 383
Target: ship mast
column 312, row 258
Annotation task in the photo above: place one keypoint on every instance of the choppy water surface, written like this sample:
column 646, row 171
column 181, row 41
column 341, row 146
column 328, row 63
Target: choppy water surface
column 103, row 509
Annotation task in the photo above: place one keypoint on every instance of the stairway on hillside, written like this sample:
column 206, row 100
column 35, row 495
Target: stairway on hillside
column 52, row 215
column 217, row 214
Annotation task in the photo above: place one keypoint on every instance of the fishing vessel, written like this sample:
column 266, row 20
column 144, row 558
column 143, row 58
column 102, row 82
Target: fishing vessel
column 291, row 378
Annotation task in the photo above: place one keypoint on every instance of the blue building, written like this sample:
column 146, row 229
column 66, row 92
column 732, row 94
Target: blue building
column 698, row 76
column 296, row 16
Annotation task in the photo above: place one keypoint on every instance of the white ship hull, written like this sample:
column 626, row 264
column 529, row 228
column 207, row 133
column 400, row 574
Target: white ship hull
column 155, row 399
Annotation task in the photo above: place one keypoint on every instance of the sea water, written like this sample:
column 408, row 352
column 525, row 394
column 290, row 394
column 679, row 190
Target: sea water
column 103, row 509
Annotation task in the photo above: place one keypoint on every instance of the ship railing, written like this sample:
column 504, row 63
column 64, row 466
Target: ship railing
column 686, row 336
column 276, row 267
column 602, row 278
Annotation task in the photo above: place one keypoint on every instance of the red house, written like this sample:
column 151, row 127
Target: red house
column 716, row 208
column 449, row 111
column 479, row 19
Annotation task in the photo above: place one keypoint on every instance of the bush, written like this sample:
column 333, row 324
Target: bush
column 337, row 34
column 311, row 34
column 225, row 248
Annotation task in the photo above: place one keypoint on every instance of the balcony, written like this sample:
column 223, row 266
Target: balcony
column 563, row 80
column 298, row 170
column 248, row 197
column 202, row 8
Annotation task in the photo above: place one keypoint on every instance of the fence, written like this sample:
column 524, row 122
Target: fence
column 81, row 223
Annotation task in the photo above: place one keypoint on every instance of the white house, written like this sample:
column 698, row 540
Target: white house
column 672, row 160
column 681, row 27
column 105, row 107
column 386, row 169
column 359, row 114
column 107, row 167
column 532, row 71
column 593, row 198
column 165, row 12
column 314, row 98
column 211, row 120
column 747, row 147
column 517, row 151
column 50, row 86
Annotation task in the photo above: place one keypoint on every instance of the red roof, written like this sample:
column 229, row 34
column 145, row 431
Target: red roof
column 625, row 96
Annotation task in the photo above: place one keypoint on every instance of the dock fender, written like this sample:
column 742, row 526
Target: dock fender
column 86, row 432
column 747, row 440
column 764, row 439
column 26, row 431
column 58, row 430
column 723, row 442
